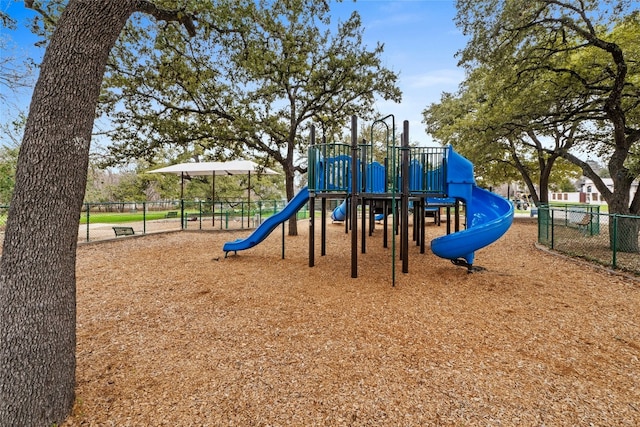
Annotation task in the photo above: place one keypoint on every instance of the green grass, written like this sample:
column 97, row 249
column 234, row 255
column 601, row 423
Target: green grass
column 120, row 217
column 603, row 208
column 115, row 217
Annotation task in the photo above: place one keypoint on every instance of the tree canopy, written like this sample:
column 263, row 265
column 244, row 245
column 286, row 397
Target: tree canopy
column 250, row 84
column 569, row 67
column 491, row 124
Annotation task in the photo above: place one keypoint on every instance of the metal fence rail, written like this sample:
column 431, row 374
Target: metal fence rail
column 101, row 221
column 581, row 231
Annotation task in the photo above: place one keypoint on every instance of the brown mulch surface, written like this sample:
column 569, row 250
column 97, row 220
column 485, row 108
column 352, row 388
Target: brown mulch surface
column 172, row 333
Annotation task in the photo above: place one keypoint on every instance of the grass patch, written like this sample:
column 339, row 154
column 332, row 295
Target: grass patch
column 117, row 217
column 121, row 217
column 602, row 208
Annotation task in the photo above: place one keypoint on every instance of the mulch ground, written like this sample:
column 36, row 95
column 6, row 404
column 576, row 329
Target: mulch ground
column 172, row 333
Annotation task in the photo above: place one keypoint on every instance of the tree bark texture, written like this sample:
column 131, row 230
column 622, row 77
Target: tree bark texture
column 37, row 269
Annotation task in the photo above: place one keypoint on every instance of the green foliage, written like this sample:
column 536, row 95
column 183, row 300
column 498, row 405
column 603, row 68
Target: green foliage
column 48, row 13
column 8, row 161
column 113, row 218
column 9, row 149
column 564, row 186
column 249, row 84
column 549, row 79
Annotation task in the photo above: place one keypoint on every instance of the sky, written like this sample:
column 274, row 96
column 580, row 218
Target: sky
column 419, row 36
column 420, row 42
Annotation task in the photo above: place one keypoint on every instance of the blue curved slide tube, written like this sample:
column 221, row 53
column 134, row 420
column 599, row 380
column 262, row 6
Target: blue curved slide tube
column 340, row 213
column 489, row 216
column 261, row 233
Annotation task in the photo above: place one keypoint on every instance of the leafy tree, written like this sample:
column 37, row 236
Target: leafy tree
column 260, row 73
column 491, row 125
column 584, row 54
column 128, row 188
column 564, row 186
column 37, row 268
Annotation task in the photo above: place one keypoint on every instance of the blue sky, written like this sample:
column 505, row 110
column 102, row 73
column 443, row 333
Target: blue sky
column 420, row 42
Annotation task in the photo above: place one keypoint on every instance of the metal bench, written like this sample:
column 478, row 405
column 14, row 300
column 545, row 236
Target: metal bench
column 172, row 214
column 584, row 223
column 123, row 231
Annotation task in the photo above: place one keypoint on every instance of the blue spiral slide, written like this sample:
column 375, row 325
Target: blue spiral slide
column 488, row 215
column 340, row 212
column 261, row 233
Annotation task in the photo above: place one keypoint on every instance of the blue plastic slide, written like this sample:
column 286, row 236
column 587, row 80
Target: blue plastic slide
column 340, row 213
column 488, row 215
column 261, row 233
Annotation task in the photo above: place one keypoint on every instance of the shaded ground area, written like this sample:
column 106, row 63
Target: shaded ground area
column 172, row 333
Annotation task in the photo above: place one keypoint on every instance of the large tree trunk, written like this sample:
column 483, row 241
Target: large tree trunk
column 37, row 269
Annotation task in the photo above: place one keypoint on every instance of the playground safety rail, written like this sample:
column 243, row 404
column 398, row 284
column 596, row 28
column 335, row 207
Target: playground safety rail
column 330, row 169
column 582, row 231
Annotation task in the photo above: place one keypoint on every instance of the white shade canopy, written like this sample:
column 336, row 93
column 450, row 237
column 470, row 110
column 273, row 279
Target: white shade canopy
column 234, row 167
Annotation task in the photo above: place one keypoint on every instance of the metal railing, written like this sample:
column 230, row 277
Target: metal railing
column 582, row 231
column 97, row 220
column 330, row 169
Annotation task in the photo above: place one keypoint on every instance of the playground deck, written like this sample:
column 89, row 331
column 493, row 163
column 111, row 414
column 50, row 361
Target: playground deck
column 178, row 335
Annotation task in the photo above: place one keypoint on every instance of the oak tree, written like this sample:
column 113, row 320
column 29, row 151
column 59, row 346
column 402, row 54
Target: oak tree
column 37, row 268
column 251, row 84
column 586, row 54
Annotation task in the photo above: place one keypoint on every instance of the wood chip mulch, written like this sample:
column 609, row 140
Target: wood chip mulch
column 171, row 333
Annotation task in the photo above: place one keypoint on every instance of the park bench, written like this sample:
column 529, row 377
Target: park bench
column 123, row 231
column 584, row 222
column 172, row 214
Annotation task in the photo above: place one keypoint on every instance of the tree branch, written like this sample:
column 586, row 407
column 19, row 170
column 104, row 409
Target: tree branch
column 186, row 19
column 48, row 19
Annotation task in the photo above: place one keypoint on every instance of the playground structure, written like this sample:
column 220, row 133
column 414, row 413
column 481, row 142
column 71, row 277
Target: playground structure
column 417, row 179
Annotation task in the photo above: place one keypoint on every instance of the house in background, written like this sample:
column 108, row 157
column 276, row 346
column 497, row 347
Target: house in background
column 587, row 192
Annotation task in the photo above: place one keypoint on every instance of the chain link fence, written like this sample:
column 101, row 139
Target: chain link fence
column 577, row 230
column 582, row 231
column 102, row 221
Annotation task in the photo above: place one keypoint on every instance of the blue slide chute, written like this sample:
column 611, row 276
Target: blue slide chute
column 488, row 215
column 340, row 212
column 261, row 233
